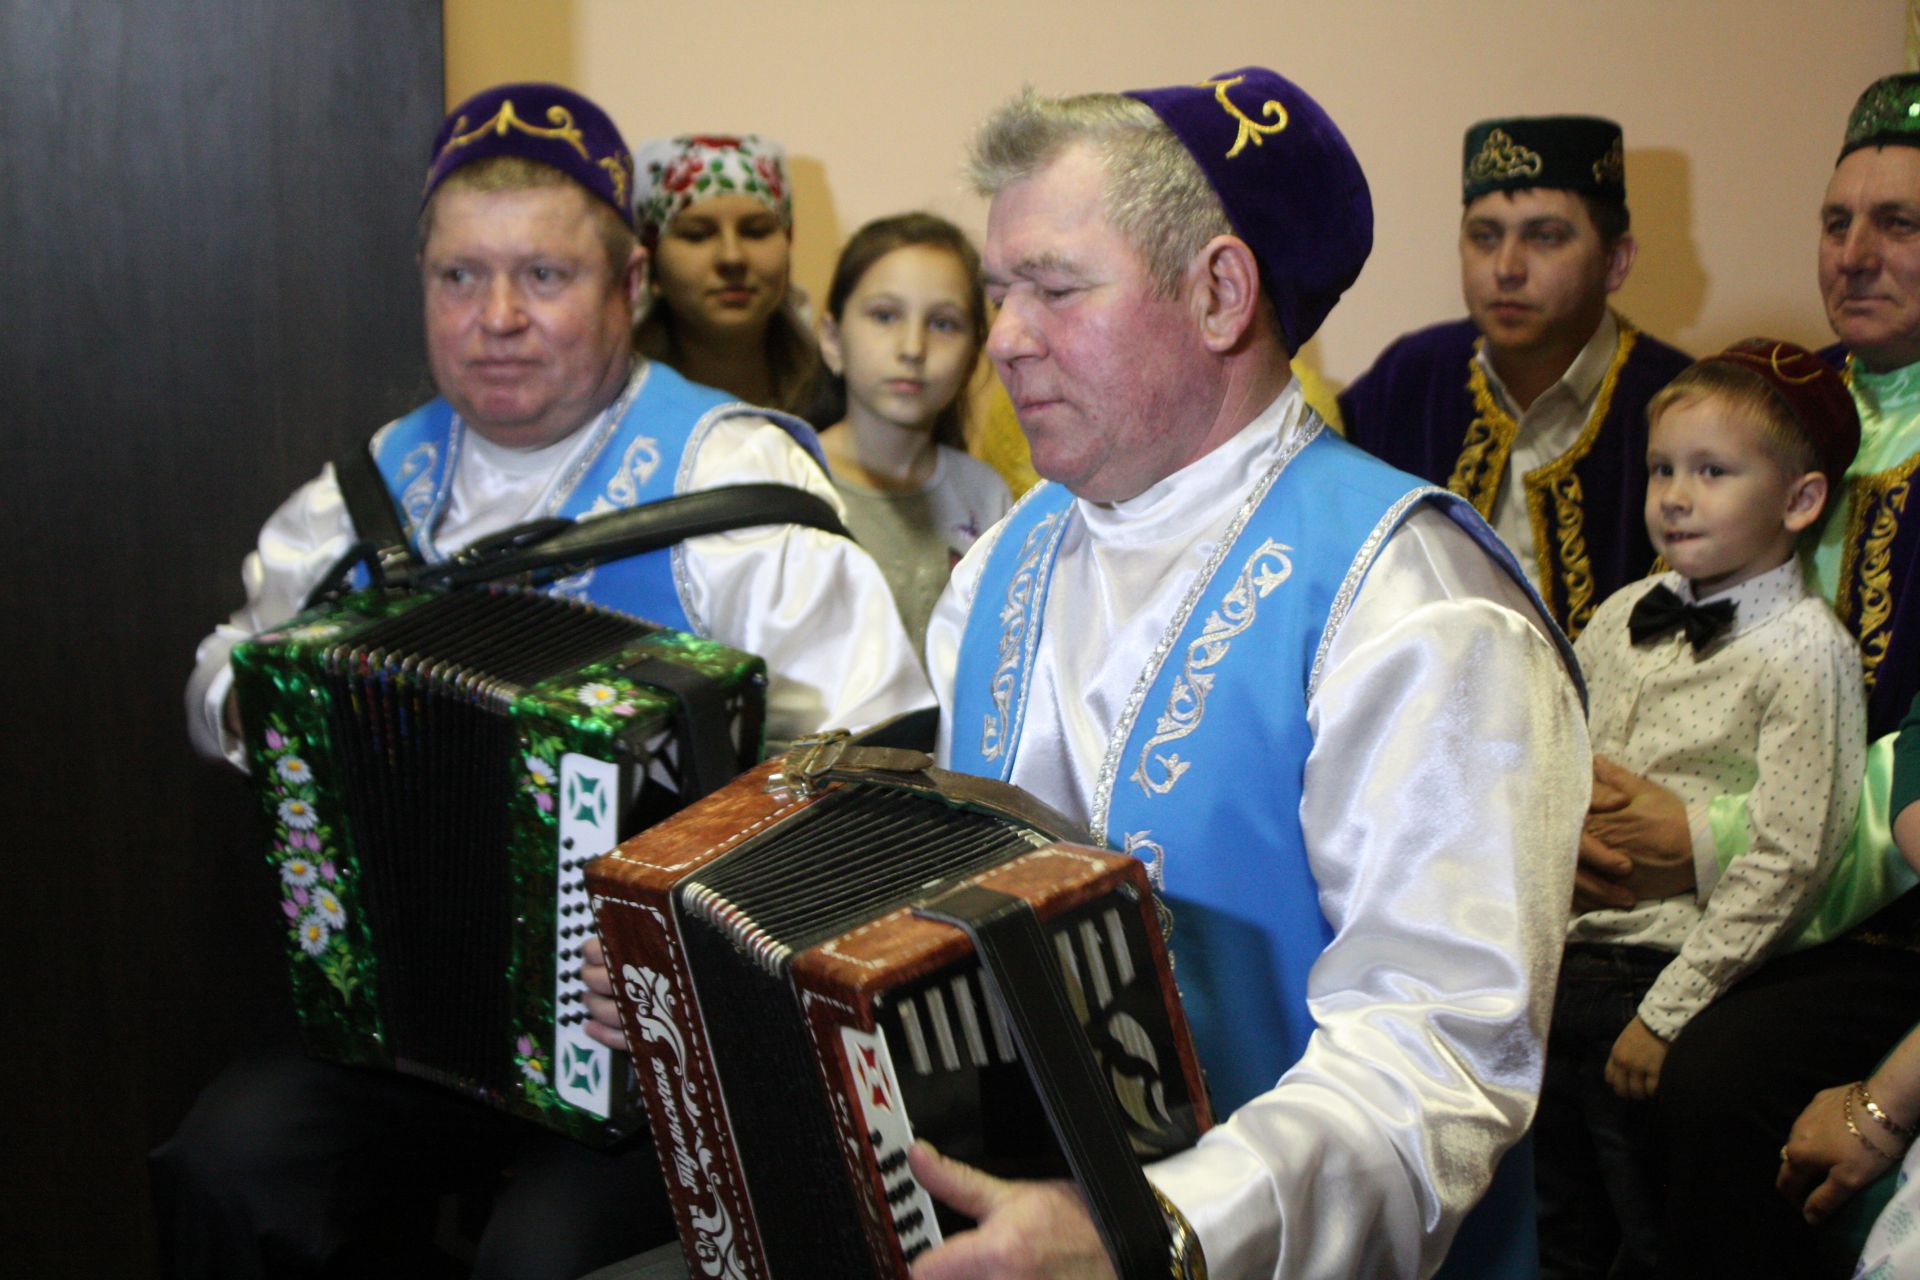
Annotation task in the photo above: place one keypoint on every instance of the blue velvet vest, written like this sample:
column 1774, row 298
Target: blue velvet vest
column 643, row 451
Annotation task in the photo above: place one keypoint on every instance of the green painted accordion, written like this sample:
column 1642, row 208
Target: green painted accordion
column 437, row 769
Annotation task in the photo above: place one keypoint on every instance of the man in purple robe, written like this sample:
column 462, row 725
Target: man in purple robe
column 1534, row 408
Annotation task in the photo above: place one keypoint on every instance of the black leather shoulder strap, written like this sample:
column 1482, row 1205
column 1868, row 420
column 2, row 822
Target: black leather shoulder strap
column 371, row 507
column 380, row 542
column 558, row 548
column 1023, row 974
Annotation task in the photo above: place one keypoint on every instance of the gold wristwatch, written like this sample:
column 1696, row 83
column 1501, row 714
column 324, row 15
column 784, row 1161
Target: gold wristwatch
column 1185, row 1259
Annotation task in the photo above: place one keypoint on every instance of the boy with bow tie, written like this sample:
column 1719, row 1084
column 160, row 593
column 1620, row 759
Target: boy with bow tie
column 1725, row 675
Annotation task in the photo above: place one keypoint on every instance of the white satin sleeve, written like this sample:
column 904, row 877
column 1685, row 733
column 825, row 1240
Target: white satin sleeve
column 298, row 544
column 812, row 604
column 1444, row 795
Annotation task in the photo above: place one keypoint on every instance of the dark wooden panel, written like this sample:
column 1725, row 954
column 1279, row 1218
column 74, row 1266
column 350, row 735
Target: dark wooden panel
column 206, row 224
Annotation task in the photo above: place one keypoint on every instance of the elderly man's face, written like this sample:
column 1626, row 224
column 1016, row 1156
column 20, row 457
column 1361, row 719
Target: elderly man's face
column 1870, row 255
column 1098, row 366
column 527, row 323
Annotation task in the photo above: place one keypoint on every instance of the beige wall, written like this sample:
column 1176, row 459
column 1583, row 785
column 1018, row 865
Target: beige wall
column 1732, row 108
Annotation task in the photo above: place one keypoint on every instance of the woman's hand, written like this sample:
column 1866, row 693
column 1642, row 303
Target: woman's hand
column 1823, row 1164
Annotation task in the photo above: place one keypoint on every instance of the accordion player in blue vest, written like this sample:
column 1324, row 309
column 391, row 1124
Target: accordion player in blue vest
column 1315, row 694
column 531, row 270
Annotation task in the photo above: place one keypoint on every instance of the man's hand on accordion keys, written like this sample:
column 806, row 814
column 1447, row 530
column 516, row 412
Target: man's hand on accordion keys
column 603, row 1022
column 1026, row 1229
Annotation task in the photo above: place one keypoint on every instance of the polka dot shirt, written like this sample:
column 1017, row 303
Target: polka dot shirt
column 1773, row 709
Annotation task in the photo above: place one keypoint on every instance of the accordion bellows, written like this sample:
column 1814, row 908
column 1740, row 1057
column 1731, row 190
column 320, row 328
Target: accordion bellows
column 795, row 1024
column 437, row 770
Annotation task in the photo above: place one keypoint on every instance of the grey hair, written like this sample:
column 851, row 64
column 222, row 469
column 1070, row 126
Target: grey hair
column 1155, row 195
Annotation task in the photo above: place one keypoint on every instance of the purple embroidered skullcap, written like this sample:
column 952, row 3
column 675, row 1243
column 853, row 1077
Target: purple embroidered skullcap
column 547, row 123
column 1289, row 182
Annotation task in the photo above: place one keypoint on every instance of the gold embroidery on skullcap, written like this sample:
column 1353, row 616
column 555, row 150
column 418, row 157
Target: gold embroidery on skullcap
column 1250, row 129
column 1611, row 167
column 505, row 118
column 1500, row 158
column 1774, row 359
column 620, row 169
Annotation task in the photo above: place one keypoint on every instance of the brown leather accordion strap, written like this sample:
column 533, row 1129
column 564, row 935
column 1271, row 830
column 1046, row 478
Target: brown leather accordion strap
column 1023, row 975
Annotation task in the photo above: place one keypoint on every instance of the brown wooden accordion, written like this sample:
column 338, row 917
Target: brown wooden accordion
column 796, row 1022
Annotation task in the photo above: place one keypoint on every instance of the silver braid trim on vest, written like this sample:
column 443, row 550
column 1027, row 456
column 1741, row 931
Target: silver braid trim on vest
column 1356, row 574
column 1311, row 425
column 610, row 420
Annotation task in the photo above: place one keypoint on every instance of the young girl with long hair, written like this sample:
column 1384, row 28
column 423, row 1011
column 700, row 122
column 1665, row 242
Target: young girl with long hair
column 905, row 319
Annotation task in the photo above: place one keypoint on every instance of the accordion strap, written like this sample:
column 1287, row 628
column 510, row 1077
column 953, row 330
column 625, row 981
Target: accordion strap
column 545, row 550
column 542, row 550
column 370, row 505
column 382, row 543
column 1023, row 975
column 707, row 757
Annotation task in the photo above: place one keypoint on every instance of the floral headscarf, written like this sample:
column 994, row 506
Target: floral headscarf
column 672, row 173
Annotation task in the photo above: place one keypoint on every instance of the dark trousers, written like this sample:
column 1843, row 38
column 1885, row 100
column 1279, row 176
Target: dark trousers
column 1596, row 1174
column 290, row 1167
column 1738, row 1077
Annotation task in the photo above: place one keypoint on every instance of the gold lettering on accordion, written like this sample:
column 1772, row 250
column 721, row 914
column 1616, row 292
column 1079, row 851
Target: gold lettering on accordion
column 654, row 1008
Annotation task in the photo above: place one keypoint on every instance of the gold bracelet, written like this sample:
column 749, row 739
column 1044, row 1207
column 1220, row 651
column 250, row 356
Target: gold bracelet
column 1903, row 1132
column 1185, row 1259
column 1846, row 1110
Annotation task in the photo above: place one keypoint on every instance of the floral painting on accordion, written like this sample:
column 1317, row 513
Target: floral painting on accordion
column 429, row 822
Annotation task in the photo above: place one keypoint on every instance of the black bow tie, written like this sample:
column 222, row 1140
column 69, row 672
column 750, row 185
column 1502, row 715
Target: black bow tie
column 1661, row 611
